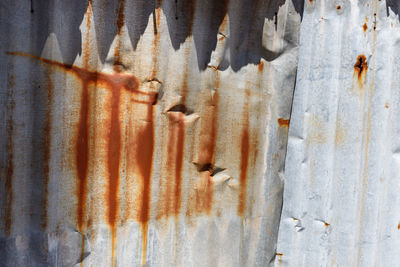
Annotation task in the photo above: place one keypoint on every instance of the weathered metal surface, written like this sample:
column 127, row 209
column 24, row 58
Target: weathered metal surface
column 144, row 133
column 340, row 204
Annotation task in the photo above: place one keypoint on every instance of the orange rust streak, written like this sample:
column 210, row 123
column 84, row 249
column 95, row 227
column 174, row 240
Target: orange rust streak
column 244, row 158
column 121, row 15
column 244, row 162
column 261, row 66
column 283, row 122
column 365, row 27
column 114, row 147
column 179, row 163
column 144, row 157
column 129, row 82
column 202, row 199
column 82, row 154
column 176, row 141
column 115, row 82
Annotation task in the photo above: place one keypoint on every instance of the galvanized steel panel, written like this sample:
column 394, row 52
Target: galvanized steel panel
column 144, row 133
column 340, row 205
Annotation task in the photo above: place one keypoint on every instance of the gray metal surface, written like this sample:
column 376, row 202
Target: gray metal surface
column 341, row 204
column 144, row 133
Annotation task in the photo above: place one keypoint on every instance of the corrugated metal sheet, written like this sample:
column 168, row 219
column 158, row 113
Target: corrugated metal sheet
column 341, row 201
column 144, row 133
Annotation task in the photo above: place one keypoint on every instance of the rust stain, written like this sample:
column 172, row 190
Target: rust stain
column 360, row 69
column 338, row 7
column 144, row 157
column 326, row 224
column 201, row 200
column 145, row 148
column 9, row 197
column 387, row 105
column 114, row 145
column 283, row 122
column 365, row 27
column 244, row 159
column 261, row 66
column 280, row 256
column 115, row 82
column 398, row 226
column 121, row 15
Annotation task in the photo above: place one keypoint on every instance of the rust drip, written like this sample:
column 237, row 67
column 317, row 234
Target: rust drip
column 283, row 122
column 144, row 157
column 360, row 69
column 201, row 200
column 115, row 82
column 171, row 201
column 261, row 66
column 244, row 159
column 9, row 194
column 114, row 147
column 145, row 149
column 82, row 154
column 121, row 15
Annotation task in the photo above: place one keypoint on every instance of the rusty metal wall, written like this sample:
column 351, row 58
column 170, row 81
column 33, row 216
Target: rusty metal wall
column 341, row 204
column 144, row 133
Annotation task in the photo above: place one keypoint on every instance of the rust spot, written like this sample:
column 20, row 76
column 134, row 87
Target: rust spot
column 387, row 105
column 398, row 226
column 338, row 7
column 360, row 68
column 9, row 194
column 365, row 27
column 326, row 224
column 283, row 122
column 244, row 159
column 261, row 66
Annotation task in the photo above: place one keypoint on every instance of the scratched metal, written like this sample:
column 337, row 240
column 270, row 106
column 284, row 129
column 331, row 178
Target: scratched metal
column 144, row 133
column 341, row 204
